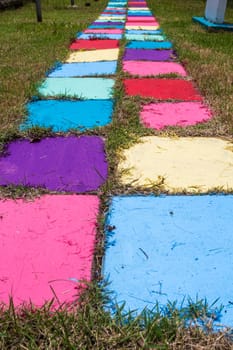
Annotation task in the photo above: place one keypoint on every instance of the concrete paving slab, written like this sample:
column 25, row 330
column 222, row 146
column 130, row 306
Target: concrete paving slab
column 160, row 115
column 188, row 164
column 168, row 249
column 73, row 164
column 148, row 55
column 46, row 244
column 162, row 89
column 82, row 88
column 162, row 45
column 94, row 44
column 94, row 56
column 63, row 115
column 83, row 69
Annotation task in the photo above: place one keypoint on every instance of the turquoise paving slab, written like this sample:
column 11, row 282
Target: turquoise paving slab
column 84, row 88
column 139, row 14
column 62, row 115
column 100, row 36
column 168, row 248
column 102, row 26
column 213, row 26
column 145, row 37
column 84, row 69
column 149, row 45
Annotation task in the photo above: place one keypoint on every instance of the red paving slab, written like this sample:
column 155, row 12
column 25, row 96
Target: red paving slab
column 162, row 89
column 94, row 44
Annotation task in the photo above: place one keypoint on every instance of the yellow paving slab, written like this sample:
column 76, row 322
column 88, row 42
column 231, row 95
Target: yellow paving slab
column 142, row 27
column 183, row 164
column 94, row 56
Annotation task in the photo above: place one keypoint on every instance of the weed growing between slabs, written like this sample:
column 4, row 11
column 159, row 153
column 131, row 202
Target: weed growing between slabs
column 90, row 326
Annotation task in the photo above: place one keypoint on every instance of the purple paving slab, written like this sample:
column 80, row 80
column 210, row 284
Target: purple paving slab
column 149, row 55
column 75, row 164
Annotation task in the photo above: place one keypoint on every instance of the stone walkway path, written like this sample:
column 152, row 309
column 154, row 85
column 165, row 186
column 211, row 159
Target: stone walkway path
column 160, row 248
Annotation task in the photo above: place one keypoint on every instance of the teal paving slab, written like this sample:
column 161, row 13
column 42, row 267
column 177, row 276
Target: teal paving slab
column 62, row 115
column 80, row 88
column 84, row 69
column 171, row 248
column 145, row 37
column 100, row 36
column 213, row 26
column 163, row 45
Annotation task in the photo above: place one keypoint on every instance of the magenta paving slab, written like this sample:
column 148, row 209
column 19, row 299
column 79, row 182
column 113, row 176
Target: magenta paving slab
column 76, row 164
column 46, row 244
column 149, row 55
column 169, row 248
column 146, row 68
column 159, row 115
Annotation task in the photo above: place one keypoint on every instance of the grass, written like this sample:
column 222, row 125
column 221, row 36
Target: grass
column 31, row 49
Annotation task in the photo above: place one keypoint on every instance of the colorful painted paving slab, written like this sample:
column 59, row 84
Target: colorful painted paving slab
column 46, row 244
column 80, row 88
column 83, row 69
column 93, row 56
column 169, row 248
column 162, row 89
column 149, row 45
column 148, row 68
column 149, row 55
column 63, row 115
column 160, row 115
column 76, row 164
column 191, row 164
column 94, row 44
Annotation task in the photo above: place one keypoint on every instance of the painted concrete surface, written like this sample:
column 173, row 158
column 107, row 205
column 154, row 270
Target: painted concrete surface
column 76, row 164
column 100, row 36
column 162, row 89
column 108, row 23
column 150, row 32
column 103, row 31
column 102, row 26
column 141, row 19
column 46, row 243
column 145, row 68
column 84, row 88
column 160, row 115
column 83, row 69
column 195, row 164
column 94, row 44
column 145, row 37
column 93, row 56
column 142, row 26
column 149, row 45
column 149, row 55
column 168, row 248
column 63, row 115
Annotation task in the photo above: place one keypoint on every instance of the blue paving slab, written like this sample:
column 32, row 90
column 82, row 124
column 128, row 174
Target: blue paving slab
column 100, row 36
column 168, row 248
column 62, row 115
column 83, row 88
column 135, row 31
column 84, row 69
column 214, row 26
column 162, row 45
column 142, row 13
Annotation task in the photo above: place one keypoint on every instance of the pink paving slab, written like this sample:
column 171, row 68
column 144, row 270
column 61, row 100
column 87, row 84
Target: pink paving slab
column 144, row 68
column 143, row 23
column 46, row 243
column 141, row 18
column 103, row 31
column 159, row 115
